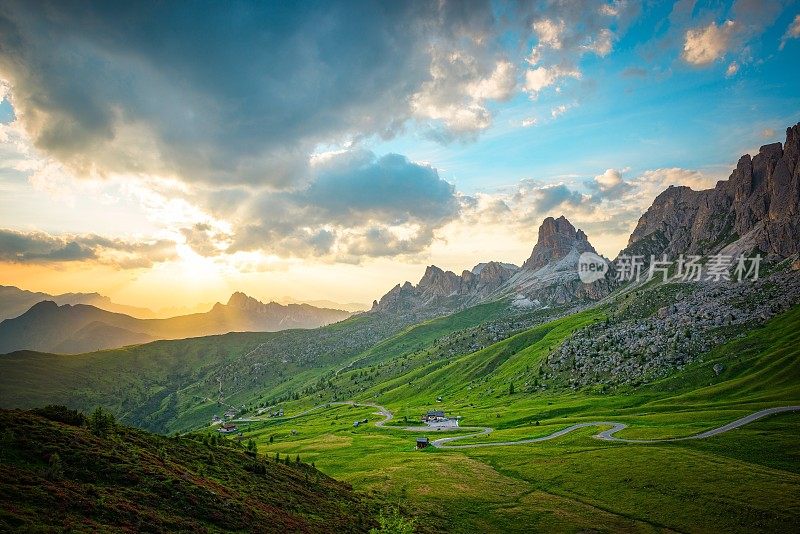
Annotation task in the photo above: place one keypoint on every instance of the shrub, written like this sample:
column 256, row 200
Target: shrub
column 61, row 414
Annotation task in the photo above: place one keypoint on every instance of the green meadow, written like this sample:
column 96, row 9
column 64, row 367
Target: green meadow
column 740, row 481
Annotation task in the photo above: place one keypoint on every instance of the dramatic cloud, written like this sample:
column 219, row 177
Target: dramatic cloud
column 707, row 44
column 354, row 200
column 39, row 247
column 242, row 94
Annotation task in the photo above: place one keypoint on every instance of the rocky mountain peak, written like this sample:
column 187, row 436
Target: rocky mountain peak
column 557, row 238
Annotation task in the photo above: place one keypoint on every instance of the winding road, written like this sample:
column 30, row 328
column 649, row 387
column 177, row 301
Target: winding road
column 606, row 435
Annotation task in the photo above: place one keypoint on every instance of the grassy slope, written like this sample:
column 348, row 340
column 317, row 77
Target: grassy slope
column 421, row 335
column 143, row 383
column 131, row 480
column 733, row 482
column 744, row 480
column 167, row 386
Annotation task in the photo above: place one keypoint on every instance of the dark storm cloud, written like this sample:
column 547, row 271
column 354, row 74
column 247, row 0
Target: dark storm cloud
column 39, row 247
column 221, row 93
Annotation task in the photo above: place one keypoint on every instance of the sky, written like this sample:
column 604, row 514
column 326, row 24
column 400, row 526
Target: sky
column 167, row 154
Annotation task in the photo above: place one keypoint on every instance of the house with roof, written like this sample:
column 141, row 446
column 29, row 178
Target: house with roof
column 434, row 416
column 227, row 428
column 422, row 443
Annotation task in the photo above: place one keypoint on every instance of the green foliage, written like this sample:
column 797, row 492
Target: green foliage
column 101, row 422
column 392, row 522
column 54, row 470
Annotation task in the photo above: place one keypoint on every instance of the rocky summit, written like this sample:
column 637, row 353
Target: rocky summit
column 550, row 274
column 557, row 239
column 755, row 209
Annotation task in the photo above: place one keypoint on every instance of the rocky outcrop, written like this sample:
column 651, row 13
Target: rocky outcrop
column 445, row 289
column 756, row 209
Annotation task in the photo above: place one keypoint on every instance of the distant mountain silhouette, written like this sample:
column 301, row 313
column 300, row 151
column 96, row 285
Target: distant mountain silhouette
column 46, row 326
column 15, row 301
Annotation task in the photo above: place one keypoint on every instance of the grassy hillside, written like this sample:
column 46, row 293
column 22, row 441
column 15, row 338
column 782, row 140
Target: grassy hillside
column 485, row 365
column 59, row 473
column 745, row 480
column 167, row 386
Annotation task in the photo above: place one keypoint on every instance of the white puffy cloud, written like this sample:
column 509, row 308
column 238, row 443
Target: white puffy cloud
column 460, row 85
column 610, row 179
column 549, row 33
column 602, row 43
column 542, row 77
column 709, row 43
column 732, row 69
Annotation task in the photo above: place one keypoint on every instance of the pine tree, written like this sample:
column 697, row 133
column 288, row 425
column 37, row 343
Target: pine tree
column 101, row 422
column 271, row 439
column 511, row 388
column 277, row 457
column 297, row 459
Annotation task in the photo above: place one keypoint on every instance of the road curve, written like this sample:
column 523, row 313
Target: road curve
column 605, row 435
column 608, row 435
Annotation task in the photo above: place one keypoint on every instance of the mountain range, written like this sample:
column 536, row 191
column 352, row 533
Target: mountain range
column 15, row 301
column 757, row 209
column 75, row 328
column 548, row 277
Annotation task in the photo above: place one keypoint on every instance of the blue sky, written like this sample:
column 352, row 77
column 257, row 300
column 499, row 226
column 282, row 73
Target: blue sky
column 642, row 107
column 333, row 149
